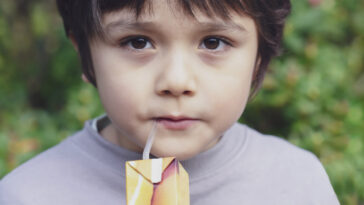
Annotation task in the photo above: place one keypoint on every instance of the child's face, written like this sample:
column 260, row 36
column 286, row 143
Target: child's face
column 192, row 75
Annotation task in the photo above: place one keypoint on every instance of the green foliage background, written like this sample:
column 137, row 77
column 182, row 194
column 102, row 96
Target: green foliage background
column 313, row 95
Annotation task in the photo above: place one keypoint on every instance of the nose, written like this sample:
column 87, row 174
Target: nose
column 176, row 77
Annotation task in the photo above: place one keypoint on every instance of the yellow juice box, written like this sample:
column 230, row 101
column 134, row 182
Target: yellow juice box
column 161, row 181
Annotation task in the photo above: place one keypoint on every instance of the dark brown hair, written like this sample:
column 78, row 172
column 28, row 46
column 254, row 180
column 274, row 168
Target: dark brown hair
column 82, row 19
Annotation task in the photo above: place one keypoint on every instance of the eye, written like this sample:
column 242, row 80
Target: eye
column 214, row 43
column 137, row 43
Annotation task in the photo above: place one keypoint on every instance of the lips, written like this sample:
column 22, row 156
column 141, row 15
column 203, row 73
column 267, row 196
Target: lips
column 176, row 122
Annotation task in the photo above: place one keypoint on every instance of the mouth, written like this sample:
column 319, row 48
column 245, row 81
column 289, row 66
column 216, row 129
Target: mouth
column 176, row 122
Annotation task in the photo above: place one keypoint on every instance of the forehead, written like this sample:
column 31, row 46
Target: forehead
column 210, row 7
column 164, row 11
column 194, row 10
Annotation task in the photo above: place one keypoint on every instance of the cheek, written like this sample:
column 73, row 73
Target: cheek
column 116, row 97
column 232, row 100
column 117, row 85
column 230, row 93
column 118, row 93
column 123, row 103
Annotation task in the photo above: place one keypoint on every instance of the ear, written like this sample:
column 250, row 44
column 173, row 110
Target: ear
column 256, row 67
column 84, row 78
column 73, row 41
column 75, row 46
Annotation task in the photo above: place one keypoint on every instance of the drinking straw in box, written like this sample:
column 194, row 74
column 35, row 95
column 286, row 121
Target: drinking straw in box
column 161, row 181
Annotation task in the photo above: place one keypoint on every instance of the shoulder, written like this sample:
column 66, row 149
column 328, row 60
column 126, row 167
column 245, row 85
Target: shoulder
column 28, row 183
column 286, row 166
column 269, row 147
column 261, row 150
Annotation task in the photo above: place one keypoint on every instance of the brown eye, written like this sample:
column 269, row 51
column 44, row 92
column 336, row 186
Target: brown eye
column 138, row 43
column 211, row 43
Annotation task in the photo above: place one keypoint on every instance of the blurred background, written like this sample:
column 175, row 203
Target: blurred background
column 313, row 95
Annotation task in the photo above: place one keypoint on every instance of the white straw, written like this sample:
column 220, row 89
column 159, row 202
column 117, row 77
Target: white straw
column 148, row 145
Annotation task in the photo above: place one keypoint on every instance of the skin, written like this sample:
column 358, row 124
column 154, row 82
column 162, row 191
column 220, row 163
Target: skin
column 180, row 66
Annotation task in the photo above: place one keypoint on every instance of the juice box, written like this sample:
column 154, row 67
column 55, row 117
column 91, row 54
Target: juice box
column 161, row 181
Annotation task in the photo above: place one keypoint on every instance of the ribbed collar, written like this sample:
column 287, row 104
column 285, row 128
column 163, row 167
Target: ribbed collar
column 203, row 165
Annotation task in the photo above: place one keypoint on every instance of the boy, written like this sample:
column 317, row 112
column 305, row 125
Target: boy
column 191, row 66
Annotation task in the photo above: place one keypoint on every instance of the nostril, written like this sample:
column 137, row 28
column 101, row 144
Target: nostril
column 187, row 92
column 166, row 92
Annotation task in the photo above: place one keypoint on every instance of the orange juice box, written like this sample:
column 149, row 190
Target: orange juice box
column 161, row 181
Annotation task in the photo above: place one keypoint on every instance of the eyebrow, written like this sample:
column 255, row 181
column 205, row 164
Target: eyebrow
column 148, row 26
column 217, row 26
column 134, row 25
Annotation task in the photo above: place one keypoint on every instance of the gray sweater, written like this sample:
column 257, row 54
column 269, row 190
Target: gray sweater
column 245, row 167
